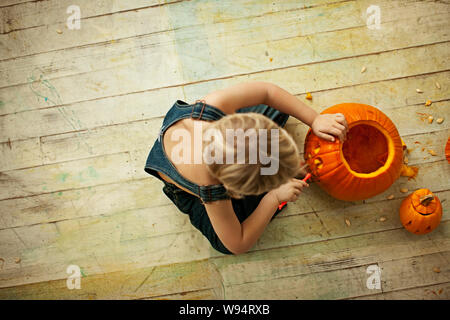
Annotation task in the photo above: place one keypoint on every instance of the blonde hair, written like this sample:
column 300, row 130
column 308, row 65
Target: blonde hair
column 245, row 179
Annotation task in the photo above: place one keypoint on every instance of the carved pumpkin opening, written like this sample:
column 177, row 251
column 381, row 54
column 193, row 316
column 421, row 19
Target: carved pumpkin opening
column 366, row 148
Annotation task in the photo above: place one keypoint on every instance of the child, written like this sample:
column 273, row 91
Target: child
column 231, row 202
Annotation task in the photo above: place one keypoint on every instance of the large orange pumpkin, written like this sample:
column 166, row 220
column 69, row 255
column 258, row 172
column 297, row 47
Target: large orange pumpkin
column 366, row 164
column 421, row 212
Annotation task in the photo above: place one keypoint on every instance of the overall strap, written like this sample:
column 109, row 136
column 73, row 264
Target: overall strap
column 203, row 104
column 199, row 111
column 158, row 160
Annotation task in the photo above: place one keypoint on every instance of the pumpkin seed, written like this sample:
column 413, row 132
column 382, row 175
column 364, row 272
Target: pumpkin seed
column 58, row 31
column 347, row 222
column 18, row 260
column 382, row 219
column 428, row 103
column 404, row 190
column 390, row 197
column 363, row 69
column 437, row 85
column 437, row 269
column 419, row 91
column 430, row 119
column 439, row 120
column 432, row 152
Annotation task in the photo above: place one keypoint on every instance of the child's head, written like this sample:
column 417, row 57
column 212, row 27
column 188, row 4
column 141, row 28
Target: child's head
column 273, row 148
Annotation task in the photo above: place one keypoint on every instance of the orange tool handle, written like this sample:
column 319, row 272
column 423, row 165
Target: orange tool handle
column 304, row 179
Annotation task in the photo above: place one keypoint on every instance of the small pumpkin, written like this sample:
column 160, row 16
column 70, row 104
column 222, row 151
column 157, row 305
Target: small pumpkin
column 447, row 150
column 421, row 212
column 366, row 164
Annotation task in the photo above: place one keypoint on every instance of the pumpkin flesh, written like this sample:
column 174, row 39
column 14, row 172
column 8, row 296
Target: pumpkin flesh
column 366, row 148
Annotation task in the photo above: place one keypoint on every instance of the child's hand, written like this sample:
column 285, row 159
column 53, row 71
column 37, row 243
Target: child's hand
column 289, row 191
column 327, row 125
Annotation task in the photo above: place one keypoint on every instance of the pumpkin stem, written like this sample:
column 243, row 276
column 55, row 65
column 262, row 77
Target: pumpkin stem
column 426, row 199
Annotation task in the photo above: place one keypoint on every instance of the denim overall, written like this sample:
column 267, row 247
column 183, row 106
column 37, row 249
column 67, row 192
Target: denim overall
column 194, row 205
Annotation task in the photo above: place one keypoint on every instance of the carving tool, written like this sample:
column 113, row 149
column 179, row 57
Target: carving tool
column 308, row 175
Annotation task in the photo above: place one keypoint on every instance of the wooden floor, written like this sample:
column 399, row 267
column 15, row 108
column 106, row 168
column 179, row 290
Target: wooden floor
column 80, row 109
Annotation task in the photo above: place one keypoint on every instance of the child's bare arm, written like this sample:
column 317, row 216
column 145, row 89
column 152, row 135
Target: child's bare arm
column 324, row 125
column 236, row 237
column 239, row 238
column 238, row 96
column 253, row 93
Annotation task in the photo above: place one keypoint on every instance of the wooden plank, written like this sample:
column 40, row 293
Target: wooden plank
column 317, row 262
column 104, row 140
column 347, row 282
column 97, row 252
column 103, row 28
column 78, row 117
column 330, row 255
column 130, row 240
column 172, row 17
column 117, row 242
column 117, row 138
column 32, row 13
column 64, row 119
column 52, row 144
column 85, row 200
column 364, row 218
column 415, row 271
column 103, row 199
column 433, row 292
column 21, row 153
column 91, row 201
column 6, row 3
column 336, row 284
column 385, row 94
column 220, row 20
column 404, row 115
column 208, row 294
column 56, row 10
column 433, row 175
column 84, row 240
column 419, row 146
column 159, row 282
column 11, row 149
column 65, row 176
column 101, row 83
column 384, row 66
column 130, row 51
